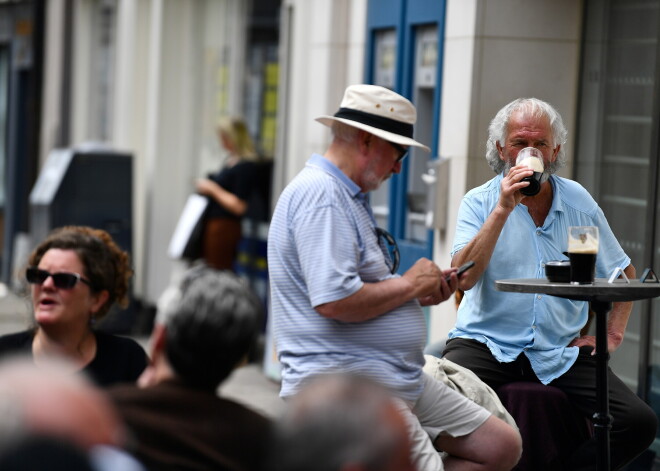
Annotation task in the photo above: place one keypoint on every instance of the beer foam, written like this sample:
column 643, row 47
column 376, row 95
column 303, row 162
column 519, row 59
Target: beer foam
column 533, row 163
column 585, row 244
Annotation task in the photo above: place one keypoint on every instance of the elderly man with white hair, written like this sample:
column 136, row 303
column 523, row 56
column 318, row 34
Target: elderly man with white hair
column 508, row 337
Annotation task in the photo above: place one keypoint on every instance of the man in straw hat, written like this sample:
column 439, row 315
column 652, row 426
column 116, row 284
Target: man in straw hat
column 338, row 304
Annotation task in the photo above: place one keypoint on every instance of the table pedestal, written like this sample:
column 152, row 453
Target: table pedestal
column 602, row 419
column 600, row 294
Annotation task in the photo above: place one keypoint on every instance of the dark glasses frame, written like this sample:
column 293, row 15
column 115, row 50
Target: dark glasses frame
column 391, row 249
column 403, row 152
column 61, row 280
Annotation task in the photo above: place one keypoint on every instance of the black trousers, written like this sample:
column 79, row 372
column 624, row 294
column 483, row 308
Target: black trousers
column 634, row 423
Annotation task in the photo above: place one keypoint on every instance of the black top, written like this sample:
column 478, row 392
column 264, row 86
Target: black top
column 117, row 360
column 237, row 179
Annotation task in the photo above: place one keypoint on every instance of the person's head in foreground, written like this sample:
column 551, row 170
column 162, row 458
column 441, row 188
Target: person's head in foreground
column 340, row 422
column 55, row 403
column 204, row 328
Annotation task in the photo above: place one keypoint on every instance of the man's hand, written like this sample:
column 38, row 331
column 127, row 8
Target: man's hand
column 510, row 195
column 614, row 339
column 428, row 282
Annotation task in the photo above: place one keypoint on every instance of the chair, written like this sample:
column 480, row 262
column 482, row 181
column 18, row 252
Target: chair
column 551, row 428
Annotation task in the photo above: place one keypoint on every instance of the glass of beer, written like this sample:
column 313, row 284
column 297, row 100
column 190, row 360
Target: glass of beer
column 532, row 158
column 582, row 251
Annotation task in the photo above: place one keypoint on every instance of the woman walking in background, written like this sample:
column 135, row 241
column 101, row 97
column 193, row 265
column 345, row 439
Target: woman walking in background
column 228, row 191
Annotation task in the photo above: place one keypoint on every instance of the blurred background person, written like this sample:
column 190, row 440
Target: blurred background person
column 229, row 192
column 53, row 419
column 204, row 329
column 341, row 422
column 76, row 275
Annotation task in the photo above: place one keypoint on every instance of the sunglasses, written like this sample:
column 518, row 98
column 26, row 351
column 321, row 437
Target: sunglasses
column 61, row 280
column 390, row 248
column 403, row 152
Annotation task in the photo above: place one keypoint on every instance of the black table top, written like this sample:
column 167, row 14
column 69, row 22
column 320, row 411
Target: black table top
column 599, row 290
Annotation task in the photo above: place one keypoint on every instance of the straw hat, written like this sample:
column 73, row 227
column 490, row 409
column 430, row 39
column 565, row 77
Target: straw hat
column 379, row 111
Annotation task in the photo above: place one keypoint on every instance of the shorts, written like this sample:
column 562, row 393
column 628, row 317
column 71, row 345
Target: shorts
column 438, row 409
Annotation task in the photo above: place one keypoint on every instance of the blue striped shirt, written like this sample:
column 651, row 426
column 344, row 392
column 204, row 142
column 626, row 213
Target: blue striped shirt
column 322, row 247
column 541, row 326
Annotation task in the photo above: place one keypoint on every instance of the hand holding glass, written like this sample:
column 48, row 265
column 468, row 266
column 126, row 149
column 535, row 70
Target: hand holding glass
column 582, row 251
column 532, row 158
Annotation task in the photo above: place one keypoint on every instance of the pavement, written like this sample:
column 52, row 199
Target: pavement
column 248, row 385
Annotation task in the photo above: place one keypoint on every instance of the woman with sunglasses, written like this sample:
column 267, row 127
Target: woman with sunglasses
column 77, row 273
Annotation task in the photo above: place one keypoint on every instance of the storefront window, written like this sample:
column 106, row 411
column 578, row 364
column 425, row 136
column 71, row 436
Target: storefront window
column 616, row 158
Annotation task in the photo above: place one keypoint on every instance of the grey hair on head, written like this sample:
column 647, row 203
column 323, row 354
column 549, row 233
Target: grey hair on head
column 212, row 320
column 498, row 128
column 344, row 132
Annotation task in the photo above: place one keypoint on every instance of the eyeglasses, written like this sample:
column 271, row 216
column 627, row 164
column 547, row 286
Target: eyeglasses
column 403, row 152
column 390, row 248
column 61, row 280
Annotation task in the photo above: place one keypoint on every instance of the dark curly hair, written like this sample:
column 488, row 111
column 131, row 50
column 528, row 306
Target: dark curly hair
column 105, row 264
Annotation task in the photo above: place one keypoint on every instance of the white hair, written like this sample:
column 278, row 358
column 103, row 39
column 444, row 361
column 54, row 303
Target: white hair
column 498, row 128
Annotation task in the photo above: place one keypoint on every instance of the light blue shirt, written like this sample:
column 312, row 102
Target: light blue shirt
column 322, row 247
column 541, row 326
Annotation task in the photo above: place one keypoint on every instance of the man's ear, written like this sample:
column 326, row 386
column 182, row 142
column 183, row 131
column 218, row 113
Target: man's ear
column 500, row 150
column 364, row 138
column 556, row 152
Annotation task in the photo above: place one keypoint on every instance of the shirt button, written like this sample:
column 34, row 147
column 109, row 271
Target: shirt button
column 533, row 327
column 538, row 232
column 538, row 297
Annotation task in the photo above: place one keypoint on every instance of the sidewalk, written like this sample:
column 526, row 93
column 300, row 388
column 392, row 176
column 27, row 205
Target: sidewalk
column 247, row 385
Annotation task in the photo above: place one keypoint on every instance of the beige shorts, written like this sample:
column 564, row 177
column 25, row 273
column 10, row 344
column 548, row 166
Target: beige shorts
column 439, row 409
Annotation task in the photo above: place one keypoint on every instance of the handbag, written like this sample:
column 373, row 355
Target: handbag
column 186, row 241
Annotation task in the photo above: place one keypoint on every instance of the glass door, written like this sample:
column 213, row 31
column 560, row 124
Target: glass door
column 617, row 160
column 404, row 46
column 384, row 72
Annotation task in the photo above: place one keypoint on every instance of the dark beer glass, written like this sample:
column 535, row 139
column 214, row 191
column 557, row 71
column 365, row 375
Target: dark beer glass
column 533, row 159
column 582, row 252
column 583, row 267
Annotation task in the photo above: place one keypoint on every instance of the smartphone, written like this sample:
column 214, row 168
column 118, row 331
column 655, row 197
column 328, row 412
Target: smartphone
column 463, row 268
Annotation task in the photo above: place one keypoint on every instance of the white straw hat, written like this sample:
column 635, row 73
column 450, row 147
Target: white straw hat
column 379, row 111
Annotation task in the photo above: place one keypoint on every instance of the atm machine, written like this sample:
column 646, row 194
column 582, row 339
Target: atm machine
column 90, row 185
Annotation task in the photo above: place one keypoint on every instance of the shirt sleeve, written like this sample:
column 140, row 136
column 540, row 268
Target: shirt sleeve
column 469, row 221
column 328, row 246
column 610, row 253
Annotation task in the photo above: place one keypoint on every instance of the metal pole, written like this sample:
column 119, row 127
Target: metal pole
column 602, row 419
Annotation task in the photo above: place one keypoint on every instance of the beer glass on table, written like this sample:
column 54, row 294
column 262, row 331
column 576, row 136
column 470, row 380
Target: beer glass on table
column 582, row 252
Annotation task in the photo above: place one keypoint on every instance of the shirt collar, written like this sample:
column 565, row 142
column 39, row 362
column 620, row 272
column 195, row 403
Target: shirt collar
column 317, row 160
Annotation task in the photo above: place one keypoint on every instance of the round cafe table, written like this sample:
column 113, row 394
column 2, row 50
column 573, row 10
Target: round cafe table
column 600, row 294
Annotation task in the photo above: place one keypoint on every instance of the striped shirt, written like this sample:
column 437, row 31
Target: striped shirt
column 323, row 247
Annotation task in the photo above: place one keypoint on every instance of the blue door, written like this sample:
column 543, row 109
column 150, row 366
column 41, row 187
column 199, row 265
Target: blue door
column 404, row 53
